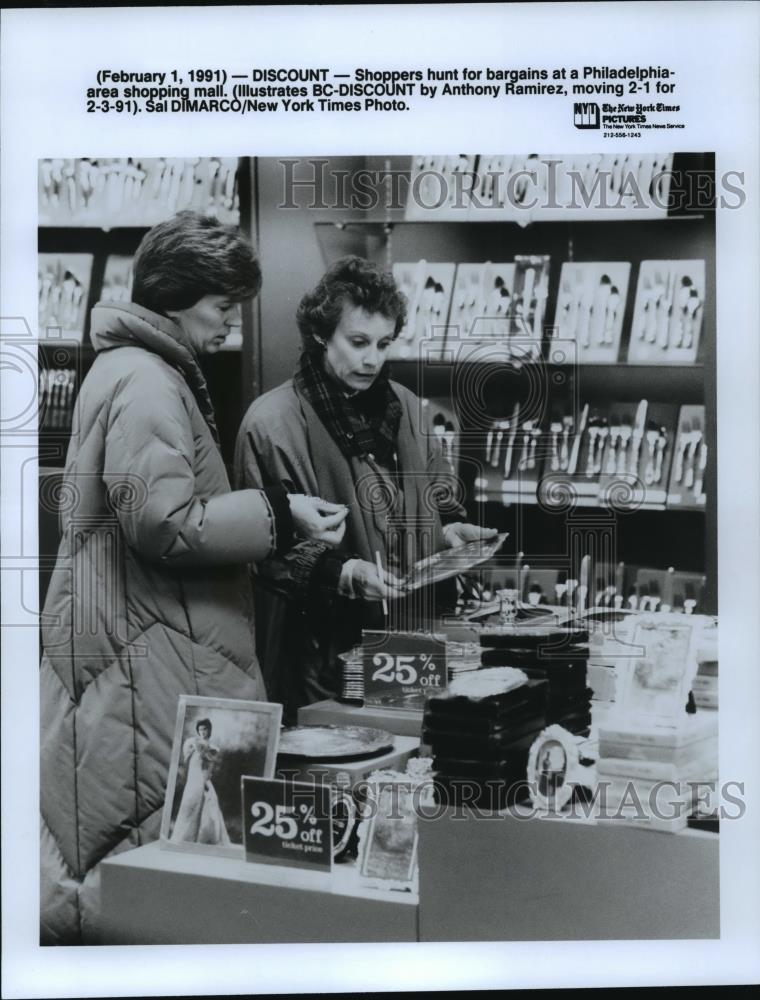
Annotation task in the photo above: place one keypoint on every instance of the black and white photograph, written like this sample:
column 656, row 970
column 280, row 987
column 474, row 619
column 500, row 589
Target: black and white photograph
column 388, row 839
column 217, row 742
column 319, row 334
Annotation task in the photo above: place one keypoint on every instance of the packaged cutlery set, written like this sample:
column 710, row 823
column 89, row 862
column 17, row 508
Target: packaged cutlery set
column 527, row 188
column 117, row 279
column 667, row 316
column 500, row 311
column 618, row 586
column 57, row 390
column 623, row 454
column 135, row 192
column 63, row 285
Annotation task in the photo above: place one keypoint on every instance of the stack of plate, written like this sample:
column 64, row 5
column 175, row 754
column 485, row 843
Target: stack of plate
column 559, row 656
column 352, row 676
column 480, row 732
column 461, row 658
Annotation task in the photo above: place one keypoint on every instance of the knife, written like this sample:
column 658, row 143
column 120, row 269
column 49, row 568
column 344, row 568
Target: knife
column 638, row 436
column 620, row 579
column 577, row 442
column 583, row 585
column 510, row 446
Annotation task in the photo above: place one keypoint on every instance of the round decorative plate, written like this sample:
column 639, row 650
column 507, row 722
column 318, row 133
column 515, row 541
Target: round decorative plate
column 333, row 742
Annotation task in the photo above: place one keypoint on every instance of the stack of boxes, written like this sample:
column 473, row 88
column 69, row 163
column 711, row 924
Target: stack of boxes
column 557, row 656
column 480, row 732
column 647, row 775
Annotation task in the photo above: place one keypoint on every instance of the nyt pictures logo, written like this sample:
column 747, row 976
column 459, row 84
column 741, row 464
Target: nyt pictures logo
column 586, row 115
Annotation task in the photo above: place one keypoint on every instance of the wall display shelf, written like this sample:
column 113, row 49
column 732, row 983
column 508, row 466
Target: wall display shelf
column 527, row 188
column 597, row 366
column 135, row 192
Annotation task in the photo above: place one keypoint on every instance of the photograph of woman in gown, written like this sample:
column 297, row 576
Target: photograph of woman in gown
column 199, row 819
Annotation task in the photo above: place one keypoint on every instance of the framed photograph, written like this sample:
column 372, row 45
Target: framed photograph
column 217, row 742
column 388, row 839
column 553, row 767
column 658, row 678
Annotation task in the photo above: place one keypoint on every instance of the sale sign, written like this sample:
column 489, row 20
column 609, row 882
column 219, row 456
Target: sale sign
column 287, row 823
column 403, row 667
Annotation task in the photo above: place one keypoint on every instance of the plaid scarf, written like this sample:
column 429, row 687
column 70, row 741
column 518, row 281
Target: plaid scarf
column 365, row 423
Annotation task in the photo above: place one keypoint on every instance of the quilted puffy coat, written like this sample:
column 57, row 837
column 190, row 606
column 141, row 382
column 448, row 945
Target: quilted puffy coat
column 150, row 599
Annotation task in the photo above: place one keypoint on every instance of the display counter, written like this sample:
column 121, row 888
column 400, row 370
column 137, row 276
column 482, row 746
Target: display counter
column 481, row 878
column 505, row 879
column 158, row 896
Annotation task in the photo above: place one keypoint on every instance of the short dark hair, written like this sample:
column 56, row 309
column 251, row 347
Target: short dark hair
column 203, row 722
column 351, row 280
column 191, row 255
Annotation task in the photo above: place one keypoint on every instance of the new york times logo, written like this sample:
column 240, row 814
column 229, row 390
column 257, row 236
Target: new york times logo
column 586, row 115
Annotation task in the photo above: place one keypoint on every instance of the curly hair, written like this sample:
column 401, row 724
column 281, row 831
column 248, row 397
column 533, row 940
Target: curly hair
column 204, row 722
column 350, row 280
column 191, row 255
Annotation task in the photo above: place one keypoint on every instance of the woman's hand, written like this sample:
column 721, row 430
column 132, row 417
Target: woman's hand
column 461, row 533
column 318, row 520
column 367, row 583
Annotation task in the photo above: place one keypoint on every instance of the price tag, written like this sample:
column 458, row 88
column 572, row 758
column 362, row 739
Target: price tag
column 403, row 667
column 287, row 823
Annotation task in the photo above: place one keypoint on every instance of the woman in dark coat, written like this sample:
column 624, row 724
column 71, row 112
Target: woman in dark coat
column 150, row 596
column 340, row 428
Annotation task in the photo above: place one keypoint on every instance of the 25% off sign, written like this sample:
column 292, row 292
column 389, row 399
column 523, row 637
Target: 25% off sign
column 287, row 823
column 402, row 663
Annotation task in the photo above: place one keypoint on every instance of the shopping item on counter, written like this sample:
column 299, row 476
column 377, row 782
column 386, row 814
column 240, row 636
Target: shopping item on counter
column 705, row 685
column 657, row 676
column 554, row 769
column 387, row 834
column 668, row 312
column 694, row 738
column 333, row 742
column 217, row 742
column 554, row 656
column 480, row 732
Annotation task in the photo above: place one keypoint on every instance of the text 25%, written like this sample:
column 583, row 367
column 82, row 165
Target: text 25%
column 401, row 669
column 285, row 822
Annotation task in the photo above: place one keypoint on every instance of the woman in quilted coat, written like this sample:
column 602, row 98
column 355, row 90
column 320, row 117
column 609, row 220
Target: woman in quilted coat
column 150, row 595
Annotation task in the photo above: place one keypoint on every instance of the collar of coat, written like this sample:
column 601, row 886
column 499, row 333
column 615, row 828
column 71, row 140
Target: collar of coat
column 126, row 324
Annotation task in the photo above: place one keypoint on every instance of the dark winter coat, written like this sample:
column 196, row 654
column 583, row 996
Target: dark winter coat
column 303, row 623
